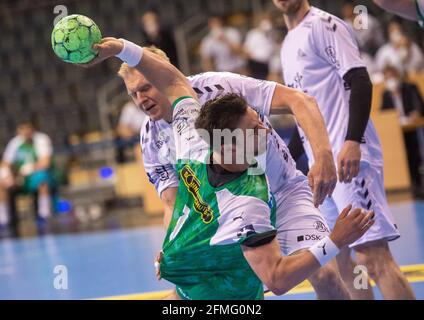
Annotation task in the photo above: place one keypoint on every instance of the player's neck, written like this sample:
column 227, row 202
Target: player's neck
column 219, row 161
column 168, row 114
column 293, row 20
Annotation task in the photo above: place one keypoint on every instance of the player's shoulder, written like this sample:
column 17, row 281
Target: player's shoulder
column 322, row 20
column 41, row 137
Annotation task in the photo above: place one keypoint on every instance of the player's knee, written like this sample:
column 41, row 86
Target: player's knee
column 377, row 263
column 325, row 276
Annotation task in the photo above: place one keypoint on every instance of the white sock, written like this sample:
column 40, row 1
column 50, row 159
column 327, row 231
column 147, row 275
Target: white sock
column 4, row 214
column 44, row 208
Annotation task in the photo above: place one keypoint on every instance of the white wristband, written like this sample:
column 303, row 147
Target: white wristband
column 131, row 53
column 324, row 250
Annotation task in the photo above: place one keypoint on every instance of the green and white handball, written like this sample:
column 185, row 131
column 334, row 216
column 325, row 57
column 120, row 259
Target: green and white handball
column 73, row 37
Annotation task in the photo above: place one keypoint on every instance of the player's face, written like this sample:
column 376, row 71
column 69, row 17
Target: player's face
column 25, row 131
column 288, row 7
column 255, row 138
column 147, row 97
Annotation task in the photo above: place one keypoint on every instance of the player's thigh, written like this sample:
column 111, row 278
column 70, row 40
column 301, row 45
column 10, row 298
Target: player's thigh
column 299, row 223
column 366, row 191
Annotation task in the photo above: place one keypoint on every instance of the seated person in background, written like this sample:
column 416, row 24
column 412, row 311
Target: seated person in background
column 406, row 99
column 128, row 129
column 26, row 168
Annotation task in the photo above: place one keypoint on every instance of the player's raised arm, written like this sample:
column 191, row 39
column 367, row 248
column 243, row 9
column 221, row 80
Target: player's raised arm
column 322, row 175
column 162, row 74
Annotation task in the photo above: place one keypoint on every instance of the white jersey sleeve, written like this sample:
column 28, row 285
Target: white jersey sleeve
column 157, row 158
column 335, row 43
column 241, row 218
column 43, row 145
column 11, row 148
column 189, row 144
column 258, row 93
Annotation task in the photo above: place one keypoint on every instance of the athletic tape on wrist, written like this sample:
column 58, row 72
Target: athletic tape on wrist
column 131, row 53
column 324, row 250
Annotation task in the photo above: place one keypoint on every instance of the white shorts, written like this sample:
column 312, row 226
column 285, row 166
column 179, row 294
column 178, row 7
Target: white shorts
column 366, row 191
column 299, row 224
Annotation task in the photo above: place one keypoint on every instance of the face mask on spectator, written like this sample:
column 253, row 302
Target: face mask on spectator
column 151, row 28
column 265, row 25
column 392, row 84
column 395, row 37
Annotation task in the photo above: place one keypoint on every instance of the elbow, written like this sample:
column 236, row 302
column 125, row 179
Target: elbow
column 278, row 284
column 278, row 290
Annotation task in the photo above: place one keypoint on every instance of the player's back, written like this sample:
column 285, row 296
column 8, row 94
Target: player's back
column 202, row 251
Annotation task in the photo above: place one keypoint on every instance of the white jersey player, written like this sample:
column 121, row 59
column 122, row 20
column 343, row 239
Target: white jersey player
column 320, row 57
column 299, row 223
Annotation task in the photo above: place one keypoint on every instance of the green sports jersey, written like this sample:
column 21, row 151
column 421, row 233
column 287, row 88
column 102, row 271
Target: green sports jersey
column 202, row 252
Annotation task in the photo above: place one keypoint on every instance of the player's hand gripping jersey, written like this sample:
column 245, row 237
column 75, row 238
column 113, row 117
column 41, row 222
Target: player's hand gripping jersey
column 202, row 253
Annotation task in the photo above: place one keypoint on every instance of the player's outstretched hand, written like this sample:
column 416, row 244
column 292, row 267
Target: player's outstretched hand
column 108, row 47
column 322, row 177
column 348, row 161
column 351, row 225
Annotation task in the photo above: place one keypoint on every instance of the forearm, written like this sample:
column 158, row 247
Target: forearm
column 168, row 197
column 309, row 118
column 164, row 76
column 359, row 103
column 292, row 270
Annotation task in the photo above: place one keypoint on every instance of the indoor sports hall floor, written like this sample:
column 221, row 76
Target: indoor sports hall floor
column 119, row 264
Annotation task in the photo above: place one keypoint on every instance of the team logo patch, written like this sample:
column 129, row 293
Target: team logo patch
column 309, row 237
column 193, row 186
column 320, row 226
column 246, row 231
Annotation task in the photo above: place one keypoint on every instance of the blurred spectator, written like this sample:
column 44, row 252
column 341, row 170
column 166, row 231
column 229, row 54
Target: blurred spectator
column 128, row 130
column 26, row 168
column 154, row 34
column 406, row 99
column 400, row 52
column 221, row 49
column 369, row 38
column 260, row 47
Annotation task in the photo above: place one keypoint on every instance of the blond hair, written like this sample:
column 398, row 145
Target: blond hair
column 125, row 69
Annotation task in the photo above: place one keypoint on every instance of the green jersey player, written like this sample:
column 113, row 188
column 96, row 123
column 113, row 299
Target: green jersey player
column 222, row 225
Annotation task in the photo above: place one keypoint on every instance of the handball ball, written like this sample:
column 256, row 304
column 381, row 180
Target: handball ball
column 73, row 37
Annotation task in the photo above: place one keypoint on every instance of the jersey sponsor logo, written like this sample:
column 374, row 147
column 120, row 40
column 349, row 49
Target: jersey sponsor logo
column 320, row 226
column 240, row 216
column 193, row 186
column 246, row 231
column 182, row 123
column 300, row 54
column 309, row 237
column 162, row 173
column 331, row 53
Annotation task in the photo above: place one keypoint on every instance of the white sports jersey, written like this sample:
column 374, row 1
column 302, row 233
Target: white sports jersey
column 42, row 147
column 315, row 56
column 158, row 144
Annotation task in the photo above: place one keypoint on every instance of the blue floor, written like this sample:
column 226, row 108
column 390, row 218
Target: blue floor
column 121, row 262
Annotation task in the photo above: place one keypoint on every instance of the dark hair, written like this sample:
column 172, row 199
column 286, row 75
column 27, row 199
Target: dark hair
column 223, row 112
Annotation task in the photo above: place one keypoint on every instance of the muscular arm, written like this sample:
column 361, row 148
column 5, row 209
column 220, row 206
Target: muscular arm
column 168, row 197
column 322, row 175
column 279, row 273
column 165, row 77
column 307, row 114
